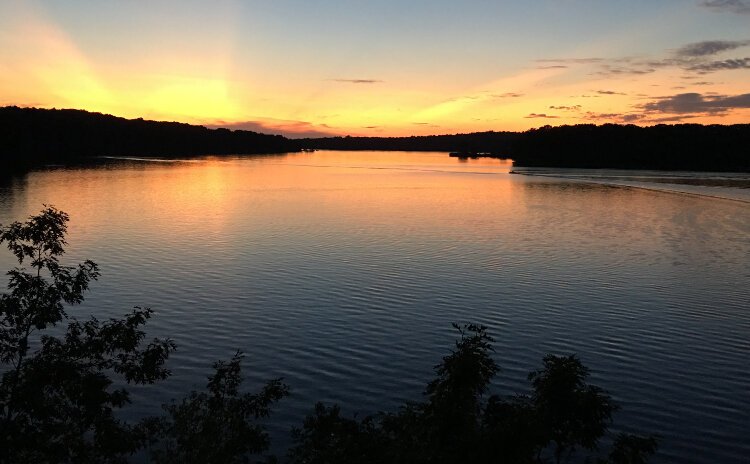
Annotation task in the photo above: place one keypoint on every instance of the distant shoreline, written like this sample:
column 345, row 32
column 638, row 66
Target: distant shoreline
column 33, row 137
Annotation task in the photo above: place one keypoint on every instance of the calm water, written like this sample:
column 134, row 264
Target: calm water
column 343, row 271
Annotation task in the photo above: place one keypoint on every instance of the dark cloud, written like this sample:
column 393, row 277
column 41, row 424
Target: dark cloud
column 733, row 6
column 566, row 108
column 609, row 92
column 709, row 47
column 507, row 95
column 358, row 81
column 631, row 117
column 711, row 66
column 616, row 117
column 541, row 115
column 698, row 103
column 610, row 70
column 695, row 58
column 679, row 118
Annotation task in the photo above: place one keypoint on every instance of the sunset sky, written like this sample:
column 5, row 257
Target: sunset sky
column 382, row 68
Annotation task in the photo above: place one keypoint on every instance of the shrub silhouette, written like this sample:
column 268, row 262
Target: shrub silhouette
column 456, row 423
column 218, row 426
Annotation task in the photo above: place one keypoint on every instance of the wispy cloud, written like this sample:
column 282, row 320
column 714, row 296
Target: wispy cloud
column 630, row 118
column 357, row 81
column 507, row 95
column 625, row 118
column 566, row 108
column 609, row 92
column 712, row 66
column 618, row 70
column 541, row 115
column 698, row 103
column 709, row 47
column 570, row 60
column 733, row 6
column 697, row 57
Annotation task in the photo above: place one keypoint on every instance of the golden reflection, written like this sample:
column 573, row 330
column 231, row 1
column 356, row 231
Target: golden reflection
column 212, row 196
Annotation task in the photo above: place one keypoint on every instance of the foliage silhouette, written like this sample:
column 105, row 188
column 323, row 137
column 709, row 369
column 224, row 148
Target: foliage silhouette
column 56, row 402
column 456, row 423
column 570, row 412
column 218, row 426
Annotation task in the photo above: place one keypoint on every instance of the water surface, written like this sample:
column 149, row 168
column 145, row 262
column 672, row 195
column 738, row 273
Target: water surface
column 343, row 271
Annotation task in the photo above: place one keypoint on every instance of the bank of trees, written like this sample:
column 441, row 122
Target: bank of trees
column 692, row 147
column 30, row 136
column 59, row 402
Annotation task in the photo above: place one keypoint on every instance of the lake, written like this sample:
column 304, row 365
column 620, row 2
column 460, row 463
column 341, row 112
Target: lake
column 343, row 271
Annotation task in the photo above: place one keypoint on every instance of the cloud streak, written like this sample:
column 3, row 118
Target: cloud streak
column 566, row 108
column 709, row 47
column 541, row 116
column 713, row 66
column 570, row 60
column 358, row 81
column 732, row 6
column 696, row 57
column 686, row 103
column 507, row 95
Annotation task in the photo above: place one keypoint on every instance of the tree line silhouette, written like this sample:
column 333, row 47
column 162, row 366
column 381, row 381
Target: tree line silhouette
column 30, row 136
column 692, row 147
column 59, row 403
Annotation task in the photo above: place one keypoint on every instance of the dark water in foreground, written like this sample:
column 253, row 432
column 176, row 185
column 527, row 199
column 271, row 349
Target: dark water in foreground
column 342, row 272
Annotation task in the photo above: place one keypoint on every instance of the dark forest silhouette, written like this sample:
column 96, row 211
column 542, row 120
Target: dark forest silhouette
column 691, row 147
column 30, row 136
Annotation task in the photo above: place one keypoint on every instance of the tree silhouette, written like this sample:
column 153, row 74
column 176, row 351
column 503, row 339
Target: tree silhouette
column 56, row 401
column 456, row 423
column 218, row 426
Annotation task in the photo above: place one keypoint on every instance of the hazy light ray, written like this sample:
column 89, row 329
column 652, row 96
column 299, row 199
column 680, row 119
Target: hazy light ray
column 46, row 61
column 522, row 83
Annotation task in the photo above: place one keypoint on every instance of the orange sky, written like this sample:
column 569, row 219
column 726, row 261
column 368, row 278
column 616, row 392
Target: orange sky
column 387, row 69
